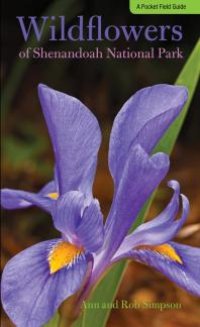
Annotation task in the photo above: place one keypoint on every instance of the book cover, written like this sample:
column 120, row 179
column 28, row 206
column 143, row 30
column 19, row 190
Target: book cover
column 100, row 163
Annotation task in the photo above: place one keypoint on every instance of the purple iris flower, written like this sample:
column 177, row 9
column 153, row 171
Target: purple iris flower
column 36, row 281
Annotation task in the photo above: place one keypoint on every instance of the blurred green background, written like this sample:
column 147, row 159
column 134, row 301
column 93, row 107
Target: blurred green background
column 103, row 85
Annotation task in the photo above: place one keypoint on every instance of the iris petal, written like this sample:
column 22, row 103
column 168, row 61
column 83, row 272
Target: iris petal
column 91, row 231
column 15, row 199
column 161, row 229
column 143, row 120
column 75, row 137
column 30, row 293
column 51, row 187
column 80, row 222
column 180, row 263
column 68, row 212
column 169, row 213
column 141, row 175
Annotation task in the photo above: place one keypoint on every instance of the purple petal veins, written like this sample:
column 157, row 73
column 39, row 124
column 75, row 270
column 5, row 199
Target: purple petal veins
column 141, row 175
column 30, row 294
column 16, row 199
column 184, row 273
column 75, row 136
column 162, row 228
column 143, row 120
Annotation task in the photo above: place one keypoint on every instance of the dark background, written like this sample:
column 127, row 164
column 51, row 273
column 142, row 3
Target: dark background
column 103, row 85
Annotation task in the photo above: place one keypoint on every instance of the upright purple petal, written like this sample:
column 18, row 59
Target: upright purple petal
column 75, row 136
column 141, row 175
column 143, row 120
column 79, row 222
column 67, row 214
column 30, row 294
column 180, row 263
column 90, row 232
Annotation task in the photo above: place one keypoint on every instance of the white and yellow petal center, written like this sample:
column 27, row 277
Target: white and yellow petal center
column 63, row 254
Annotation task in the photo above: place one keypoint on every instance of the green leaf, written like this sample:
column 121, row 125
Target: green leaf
column 54, row 321
column 80, row 321
column 107, row 288
column 188, row 77
column 60, row 7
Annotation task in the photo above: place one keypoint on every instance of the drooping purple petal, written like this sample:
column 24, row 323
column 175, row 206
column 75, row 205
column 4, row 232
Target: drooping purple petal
column 161, row 229
column 171, row 210
column 91, row 231
column 75, row 136
column 67, row 214
column 15, row 199
column 30, row 294
column 164, row 232
column 141, row 175
column 181, row 263
column 143, row 120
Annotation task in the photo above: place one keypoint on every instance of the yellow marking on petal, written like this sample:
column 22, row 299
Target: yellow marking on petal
column 165, row 250
column 53, row 196
column 63, row 254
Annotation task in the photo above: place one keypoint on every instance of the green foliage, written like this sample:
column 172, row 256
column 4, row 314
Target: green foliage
column 188, row 77
column 53, row 322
